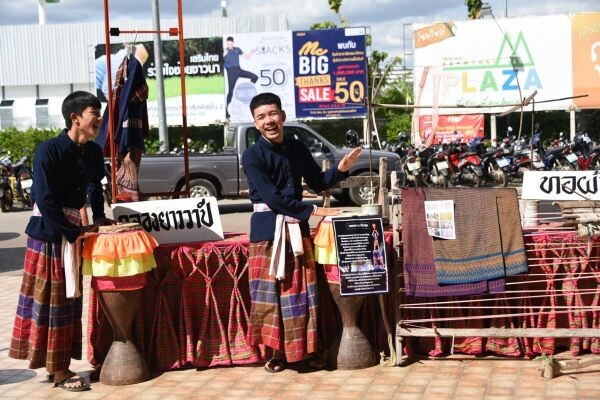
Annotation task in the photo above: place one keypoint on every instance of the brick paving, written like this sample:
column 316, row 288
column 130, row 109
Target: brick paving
column 455, row 377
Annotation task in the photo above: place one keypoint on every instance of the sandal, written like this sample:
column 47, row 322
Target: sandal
column 84, row 386
column 275, row 365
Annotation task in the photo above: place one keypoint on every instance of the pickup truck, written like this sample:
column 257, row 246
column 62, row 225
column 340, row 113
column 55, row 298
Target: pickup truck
column 222, row 176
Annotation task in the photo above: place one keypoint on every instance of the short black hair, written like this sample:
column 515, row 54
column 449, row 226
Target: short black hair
column 76, row 103
column 229, row 39
column 264, row 99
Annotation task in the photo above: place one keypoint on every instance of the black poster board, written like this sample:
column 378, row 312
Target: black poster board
column 361, row 255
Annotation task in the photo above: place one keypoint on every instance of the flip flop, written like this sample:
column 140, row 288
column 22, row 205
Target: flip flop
column 274, row 366
column 84, row 386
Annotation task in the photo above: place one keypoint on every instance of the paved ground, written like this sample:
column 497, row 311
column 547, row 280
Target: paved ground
column 449, row 378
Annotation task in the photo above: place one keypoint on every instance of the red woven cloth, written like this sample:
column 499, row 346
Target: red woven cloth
column 564, row 268
column 196, row 306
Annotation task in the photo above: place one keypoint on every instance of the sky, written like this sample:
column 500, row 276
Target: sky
column 386, row 18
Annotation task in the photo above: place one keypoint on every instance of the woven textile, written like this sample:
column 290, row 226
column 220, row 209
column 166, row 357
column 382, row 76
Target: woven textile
column 284, row 312
column 196, row 308
column 489, row 241
column 419, row 266
column 47, row 329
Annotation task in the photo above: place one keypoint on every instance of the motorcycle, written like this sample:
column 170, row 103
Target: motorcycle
column 495, row 165
column 465, row 165
column 438, row 170
column 588, row 156
column 6, row 193
column 412, row 168
column 20, row 178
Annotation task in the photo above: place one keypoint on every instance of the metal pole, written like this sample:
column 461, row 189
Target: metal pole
column 505, row 8
column 183, row 98
column 163, row 133
column 42, row 12
column 111, row 117
column 224, row 8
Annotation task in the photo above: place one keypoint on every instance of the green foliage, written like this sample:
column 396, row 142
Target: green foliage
column 23, row 143
column 198, row 135
column 324, row 25
column 473, row 8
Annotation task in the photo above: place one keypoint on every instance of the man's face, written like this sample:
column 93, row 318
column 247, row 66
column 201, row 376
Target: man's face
column 229, row 44
column 87, row 124
column 269, row 120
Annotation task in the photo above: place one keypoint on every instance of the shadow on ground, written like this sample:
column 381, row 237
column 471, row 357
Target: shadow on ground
column 15, row 375
column 12, row 259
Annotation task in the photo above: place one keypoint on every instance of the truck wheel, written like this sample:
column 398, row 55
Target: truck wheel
column 202, row 188
column 361, row 195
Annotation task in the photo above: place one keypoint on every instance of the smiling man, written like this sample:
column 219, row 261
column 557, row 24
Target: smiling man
column 47, row 329
column 283, row 278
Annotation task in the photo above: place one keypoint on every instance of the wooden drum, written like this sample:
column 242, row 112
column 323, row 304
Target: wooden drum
column 118, row 259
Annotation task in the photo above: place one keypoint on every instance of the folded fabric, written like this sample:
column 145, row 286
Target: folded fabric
column 71, row 260
column 324, row 241
column 418, row 260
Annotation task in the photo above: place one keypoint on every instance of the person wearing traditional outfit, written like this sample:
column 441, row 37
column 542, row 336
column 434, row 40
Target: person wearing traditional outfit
column 283, row 279
column 47, row 329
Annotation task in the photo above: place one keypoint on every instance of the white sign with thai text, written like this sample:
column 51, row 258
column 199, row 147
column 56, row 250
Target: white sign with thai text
column 561, row 185
column 174, row 221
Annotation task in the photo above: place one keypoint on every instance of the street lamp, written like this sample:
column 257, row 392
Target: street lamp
column 486, row 10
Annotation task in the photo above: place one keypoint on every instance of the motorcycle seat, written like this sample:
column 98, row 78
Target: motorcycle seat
column 467, row 154
column 555, row 150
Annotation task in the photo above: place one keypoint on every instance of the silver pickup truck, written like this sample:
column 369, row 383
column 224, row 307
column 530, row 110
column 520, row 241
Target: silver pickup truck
column 221, row 175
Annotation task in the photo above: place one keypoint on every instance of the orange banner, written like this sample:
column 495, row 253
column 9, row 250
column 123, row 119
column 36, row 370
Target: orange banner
column 433, row 34
column 586, row 59
column 452, row 127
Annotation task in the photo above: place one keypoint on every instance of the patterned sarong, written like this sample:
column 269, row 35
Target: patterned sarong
column 489, row 241
column 47, row 329
column 419, row 266
column 283, row 314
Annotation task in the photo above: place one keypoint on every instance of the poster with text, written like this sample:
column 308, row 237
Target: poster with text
column 492, row 62
column 204, row 78
column 361, row 256
column 449, row 128
column 330, row 69
column 255, row 63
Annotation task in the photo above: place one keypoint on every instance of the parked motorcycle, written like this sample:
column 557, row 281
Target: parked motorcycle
column 438, row 170
column 6, row 193
column 588, row 155
column 465, row 165
column 20, row 179
column 495, row 165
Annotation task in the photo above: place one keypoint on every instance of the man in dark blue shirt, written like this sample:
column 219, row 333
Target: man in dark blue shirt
column 47, row 329
column 231, row 62
column 283, row 279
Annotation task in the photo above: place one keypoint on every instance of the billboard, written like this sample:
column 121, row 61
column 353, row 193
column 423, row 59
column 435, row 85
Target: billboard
column 317, row 74
column 493, row 63
column 256, row 63
column 586, row 59
column 330, row 69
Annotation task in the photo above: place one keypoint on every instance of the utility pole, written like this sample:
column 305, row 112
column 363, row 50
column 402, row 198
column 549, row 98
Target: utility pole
column 224, row 8
column 42, row 12
column 163, row 133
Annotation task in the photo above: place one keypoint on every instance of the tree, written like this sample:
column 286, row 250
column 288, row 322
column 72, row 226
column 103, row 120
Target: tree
column 473, row 8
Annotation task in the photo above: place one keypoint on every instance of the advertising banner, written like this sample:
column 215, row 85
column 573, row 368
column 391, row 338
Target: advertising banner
column 493, row 62
column 204, row 78
column 256, row 63
column 330, row 70
column 361, row 255
column 174, row 221
column 452, row 127
column 586, row 59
